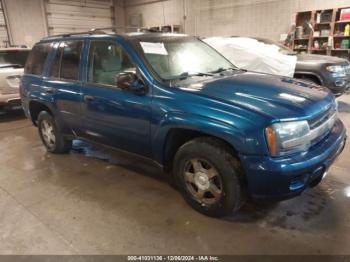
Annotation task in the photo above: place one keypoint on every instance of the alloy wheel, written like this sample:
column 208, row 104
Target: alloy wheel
column 203, row 182
column 47, row 131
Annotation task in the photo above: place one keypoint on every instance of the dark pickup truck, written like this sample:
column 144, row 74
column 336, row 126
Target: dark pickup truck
column 329, row 71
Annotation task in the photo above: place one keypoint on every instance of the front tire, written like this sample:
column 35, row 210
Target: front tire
column 51, row 136
column 209, row 177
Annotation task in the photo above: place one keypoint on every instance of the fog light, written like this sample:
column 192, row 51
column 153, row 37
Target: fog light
column 340, row 83
column 296, row 184
column 324, row 175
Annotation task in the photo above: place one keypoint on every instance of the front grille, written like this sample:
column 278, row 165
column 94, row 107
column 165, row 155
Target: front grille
column 321, row 118
column 321, row 125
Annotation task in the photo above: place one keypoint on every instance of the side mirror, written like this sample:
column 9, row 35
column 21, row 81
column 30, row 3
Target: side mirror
column 130, row 81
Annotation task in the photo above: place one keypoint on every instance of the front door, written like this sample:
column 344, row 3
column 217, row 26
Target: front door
column 112, row 116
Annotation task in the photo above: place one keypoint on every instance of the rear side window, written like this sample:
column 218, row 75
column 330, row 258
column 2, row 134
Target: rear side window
column 70, row 59
column 56, row 63
column 36, row 60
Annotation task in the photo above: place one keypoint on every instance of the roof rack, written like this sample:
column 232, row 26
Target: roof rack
column 96, row 31
column 90, row 32
column 115, row 29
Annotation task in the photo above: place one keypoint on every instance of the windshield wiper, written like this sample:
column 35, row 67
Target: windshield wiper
column 186, row 75
column 221, row 69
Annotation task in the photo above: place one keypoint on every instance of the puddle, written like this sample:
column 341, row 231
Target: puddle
column 88, row 150
column 114, row 158
column 315, row 209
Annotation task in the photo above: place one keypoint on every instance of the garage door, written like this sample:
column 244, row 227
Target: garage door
column 66, row 16
column 3, row 29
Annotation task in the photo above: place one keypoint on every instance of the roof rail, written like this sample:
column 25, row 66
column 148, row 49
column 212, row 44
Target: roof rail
column 116, row 28
column 72, row 34
column 101, row 30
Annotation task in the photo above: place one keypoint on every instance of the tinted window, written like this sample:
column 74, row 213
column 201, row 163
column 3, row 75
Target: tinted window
column 70, row 60
column 106, row 60
column 36, row 59
column 56, row 63
column 13, row 57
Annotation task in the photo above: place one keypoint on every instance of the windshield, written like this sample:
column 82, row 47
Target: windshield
column 282, row 49
column 175, row 57
column 13, row 57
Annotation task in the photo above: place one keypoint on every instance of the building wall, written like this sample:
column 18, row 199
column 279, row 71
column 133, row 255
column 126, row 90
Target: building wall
column 119, row 11
column 265, row 18
column 155, row 12
column 26, row 21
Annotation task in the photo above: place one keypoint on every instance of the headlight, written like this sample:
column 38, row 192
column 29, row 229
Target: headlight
column 287, row 137
column 337, row 69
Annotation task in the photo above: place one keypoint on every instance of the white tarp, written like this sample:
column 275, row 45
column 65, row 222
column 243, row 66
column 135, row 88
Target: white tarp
column 253, row 55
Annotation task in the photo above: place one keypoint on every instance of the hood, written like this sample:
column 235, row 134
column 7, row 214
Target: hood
column 323, row 59
column 272, row 96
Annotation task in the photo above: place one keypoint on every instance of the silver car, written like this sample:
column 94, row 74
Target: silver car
column 12, row 61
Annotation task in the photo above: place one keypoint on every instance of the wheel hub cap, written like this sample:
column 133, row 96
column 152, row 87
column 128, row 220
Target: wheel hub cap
column 201, row 180
column 47, row 132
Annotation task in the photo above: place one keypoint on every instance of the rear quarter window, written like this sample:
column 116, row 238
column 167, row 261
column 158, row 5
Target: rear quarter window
column 36, row 59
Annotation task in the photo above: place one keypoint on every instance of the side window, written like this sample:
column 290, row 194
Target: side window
column 56, row 63
column 36, row 60
column 106, row 60
column 70, row 61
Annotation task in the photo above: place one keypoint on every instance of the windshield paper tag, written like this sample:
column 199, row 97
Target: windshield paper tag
column 154, row 48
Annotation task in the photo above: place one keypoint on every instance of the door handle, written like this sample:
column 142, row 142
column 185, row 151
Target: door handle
column 49, row 90
column 89, row 98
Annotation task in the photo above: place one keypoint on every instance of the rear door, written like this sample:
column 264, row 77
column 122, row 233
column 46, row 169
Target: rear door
column 63, row 82
column 33, row 72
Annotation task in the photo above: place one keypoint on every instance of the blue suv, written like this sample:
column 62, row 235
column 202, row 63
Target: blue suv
column 223, row 133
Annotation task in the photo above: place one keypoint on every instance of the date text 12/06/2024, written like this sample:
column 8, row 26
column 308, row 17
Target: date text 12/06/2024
column 174, row 258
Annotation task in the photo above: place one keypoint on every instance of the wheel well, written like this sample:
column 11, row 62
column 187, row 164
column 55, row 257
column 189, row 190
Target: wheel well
column 35, row 108
column 307, row 77
column 178, row 137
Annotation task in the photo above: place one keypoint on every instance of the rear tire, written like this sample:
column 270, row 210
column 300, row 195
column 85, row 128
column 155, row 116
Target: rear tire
column 51, row 135
column 209, row 177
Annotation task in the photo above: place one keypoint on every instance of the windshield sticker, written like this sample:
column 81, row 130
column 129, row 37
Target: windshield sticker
column 154, row 48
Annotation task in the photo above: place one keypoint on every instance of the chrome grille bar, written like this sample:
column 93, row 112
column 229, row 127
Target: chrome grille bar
column 313, row 134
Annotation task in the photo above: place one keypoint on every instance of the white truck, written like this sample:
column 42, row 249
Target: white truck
column 12, row 61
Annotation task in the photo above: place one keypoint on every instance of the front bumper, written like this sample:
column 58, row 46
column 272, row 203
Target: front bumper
column 338, row 85
column 286, row 177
